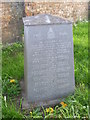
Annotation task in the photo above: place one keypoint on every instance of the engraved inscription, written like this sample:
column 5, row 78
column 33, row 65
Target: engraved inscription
column 50, row 62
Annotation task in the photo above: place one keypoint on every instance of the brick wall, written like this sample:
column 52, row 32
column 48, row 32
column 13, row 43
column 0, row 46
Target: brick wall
column 12, row 24
column 71, row 10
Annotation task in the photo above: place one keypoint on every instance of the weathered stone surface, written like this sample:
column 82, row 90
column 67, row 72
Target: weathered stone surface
column 49, row 62
column 44, row 19
column 13, row 12
column 12, row 24
column 73, row 11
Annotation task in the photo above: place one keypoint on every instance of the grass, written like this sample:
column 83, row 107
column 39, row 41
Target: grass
column 80, row 36
column 9, row 111
column 13, row 61
column 76, row 105
column 12, row 68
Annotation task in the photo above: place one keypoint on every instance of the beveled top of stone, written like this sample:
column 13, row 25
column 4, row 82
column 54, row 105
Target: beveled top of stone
column 44, row 19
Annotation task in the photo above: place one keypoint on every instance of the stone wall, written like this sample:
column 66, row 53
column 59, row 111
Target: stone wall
column 12, row 24
column 12, row 14
column 71, row 10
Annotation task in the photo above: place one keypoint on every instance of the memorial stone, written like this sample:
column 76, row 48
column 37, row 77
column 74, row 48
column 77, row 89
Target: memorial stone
column 48, row 58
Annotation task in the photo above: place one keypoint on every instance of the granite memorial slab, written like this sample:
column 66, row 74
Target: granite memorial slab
column 48, row 58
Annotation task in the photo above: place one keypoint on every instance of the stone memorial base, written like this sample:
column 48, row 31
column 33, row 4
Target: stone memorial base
column 27, row 105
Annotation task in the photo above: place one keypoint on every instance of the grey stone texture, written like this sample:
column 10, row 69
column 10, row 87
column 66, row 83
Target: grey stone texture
column 49, row 60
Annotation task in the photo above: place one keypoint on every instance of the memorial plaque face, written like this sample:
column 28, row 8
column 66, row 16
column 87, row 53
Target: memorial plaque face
column 49, row 64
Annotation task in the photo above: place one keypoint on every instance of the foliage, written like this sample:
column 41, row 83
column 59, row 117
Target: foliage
column 10, row 111
column 10, row 88
column 13, row 61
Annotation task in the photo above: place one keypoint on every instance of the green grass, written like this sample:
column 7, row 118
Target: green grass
column 80, row 36
column 10, row 111
column 77, row 104
column 13, row 61
column 12, row 68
